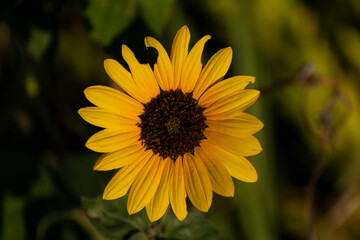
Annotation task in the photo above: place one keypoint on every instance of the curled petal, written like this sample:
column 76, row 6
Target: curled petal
column 163, row 68
column 142, row 74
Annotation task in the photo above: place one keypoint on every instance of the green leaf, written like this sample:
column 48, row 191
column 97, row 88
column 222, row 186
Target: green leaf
column 139, row 236
column 109, row 18
column 156, row 13
column 111, row 219
column 192, row 228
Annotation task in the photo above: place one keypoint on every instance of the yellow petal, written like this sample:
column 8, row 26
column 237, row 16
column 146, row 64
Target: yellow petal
column 238, row 166
column 197, row 183
column 120, row 158
column 142, row 74
column 234, row 103
column 145, row 184
column 121, row 182
column 163, row 68
column 222, row 117
column 108, row 140
column 114, row 101
column 242, row 124
column 124, row 79
column 105, row 119
column 227, row 87
column 220, row 178
column 214, row 70
column 246, row 145
column 192, row 66
column 179, row 51
column 159, row 203
column 177, row 190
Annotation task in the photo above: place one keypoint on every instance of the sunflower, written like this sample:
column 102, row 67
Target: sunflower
column 178, row 131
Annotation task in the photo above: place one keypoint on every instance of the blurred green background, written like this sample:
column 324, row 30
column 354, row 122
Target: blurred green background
column 305, row 55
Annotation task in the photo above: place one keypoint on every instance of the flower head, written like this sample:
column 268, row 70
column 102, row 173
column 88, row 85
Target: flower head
column 180, row 131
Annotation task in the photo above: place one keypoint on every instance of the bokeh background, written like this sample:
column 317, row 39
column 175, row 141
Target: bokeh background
column 305, row 55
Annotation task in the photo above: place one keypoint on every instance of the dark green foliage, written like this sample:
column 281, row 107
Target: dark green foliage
column 111, row 219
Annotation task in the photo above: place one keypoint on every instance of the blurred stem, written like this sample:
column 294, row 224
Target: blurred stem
column 324, row 134
column 324, row 139
column 300, row 77
column 77, row 215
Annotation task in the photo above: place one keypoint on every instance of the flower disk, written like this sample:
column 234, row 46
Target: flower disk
column 172, row 124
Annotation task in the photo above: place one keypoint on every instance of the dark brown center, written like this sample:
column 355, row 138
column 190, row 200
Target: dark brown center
column 172, row 124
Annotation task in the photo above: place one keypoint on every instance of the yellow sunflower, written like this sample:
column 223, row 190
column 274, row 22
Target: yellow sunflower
column 180, row 131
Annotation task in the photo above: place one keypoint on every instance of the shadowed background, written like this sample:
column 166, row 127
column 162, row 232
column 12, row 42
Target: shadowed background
column 304, row 55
